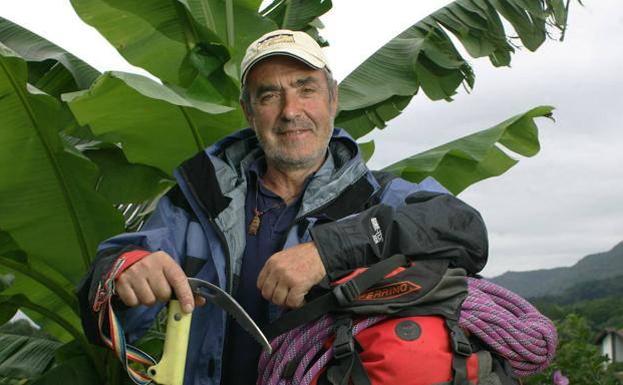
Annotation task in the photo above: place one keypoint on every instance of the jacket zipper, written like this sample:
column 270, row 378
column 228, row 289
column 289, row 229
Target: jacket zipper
column 228, row 269
column 217, row 230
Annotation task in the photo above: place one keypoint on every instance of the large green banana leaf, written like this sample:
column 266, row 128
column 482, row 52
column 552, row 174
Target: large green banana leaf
column 74, row 367
column 155, row 125
column 300, row 15
column 28, row 355
column 465, row 161
column 423, row 56
column 154, row 35
column 24, row 357
column 47, row 199
column 358, row 124
column 198, row 36
column 202, row 38
column 54, row 71
column 236, row 23
column 124, row 182
column 55, row 65
column 296, row 14
column 5, row 281
column 50, row 301
column 51, row 69
column 54, row 321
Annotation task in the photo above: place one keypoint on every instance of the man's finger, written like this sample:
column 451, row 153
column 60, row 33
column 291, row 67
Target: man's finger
column 268, row 288
column 279, row 294
column 143, row 292
column 160, row 287
column 179, row 282
column 126, row 294
column 261, row 278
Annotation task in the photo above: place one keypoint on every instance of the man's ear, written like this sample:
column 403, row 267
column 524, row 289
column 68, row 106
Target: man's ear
column 248, row 113
column 334, row 102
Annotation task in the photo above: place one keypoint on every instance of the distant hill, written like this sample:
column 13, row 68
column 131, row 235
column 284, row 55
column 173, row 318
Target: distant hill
column 554, row 282
column 600, row 302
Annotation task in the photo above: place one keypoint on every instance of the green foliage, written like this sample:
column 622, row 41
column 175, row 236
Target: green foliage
column 600, row 313
column 462, row 162
column 600, row 302
column 74, row 366
column 51, row 65
column 25, row 352
column 154, row 120
column 52, row 189
column 5, row 281
column 299, row 15
column 577, row 357
column 24, row 327
column 594, row 289
column 41, row 292
column 424, row 57
column 124, row 182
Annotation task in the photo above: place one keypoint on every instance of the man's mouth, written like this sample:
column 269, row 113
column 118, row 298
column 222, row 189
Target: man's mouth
column 294, row 133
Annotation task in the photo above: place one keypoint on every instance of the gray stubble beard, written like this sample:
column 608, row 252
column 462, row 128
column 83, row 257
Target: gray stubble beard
column 287, row 163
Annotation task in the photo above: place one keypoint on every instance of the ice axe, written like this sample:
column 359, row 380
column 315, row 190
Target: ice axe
column 170, row 369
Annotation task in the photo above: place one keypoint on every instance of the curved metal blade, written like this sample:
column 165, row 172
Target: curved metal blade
column 220, row 297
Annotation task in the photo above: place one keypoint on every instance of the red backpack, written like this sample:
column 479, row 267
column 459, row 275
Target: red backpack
column 395, row 323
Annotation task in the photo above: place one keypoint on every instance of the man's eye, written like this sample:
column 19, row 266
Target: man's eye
column 268, row 98
column 309, row 91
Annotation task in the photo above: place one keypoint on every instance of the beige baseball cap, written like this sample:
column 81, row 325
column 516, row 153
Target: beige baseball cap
column 296, row 44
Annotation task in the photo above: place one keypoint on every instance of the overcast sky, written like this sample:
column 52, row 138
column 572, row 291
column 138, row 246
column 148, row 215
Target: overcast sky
column 547, row 211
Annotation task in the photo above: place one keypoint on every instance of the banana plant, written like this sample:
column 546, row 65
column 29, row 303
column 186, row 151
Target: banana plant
column 78, row 144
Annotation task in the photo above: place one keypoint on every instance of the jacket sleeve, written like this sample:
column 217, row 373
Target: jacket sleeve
column 424, row 224
column 165, row 230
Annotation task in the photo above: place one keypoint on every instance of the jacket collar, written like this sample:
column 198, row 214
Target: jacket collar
column 212, row 176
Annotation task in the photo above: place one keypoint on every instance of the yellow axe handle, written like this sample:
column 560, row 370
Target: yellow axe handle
column 170, row 369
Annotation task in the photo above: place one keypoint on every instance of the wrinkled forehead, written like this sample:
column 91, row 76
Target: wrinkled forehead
column 280, row 69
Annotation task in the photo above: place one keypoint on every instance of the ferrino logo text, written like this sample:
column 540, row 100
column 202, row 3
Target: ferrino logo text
column 390, row 291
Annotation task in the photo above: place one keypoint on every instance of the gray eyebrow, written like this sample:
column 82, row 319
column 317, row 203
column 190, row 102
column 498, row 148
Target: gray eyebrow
column 305, row 81
column 263, row 88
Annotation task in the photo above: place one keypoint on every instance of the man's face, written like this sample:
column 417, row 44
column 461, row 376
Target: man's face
column 291, row 112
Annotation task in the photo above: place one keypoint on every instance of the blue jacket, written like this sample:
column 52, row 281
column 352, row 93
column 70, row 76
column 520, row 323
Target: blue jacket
column 203, row 217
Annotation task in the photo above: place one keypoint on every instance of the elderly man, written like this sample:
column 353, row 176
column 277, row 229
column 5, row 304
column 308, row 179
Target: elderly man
column 271, row 211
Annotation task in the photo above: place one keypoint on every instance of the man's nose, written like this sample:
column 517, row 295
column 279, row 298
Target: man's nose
column 292, row 106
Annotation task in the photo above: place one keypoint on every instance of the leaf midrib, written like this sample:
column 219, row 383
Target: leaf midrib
column 193, row 129
column 60, row 177
column 49, row 283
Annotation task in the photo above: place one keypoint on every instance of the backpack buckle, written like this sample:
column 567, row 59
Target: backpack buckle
column 346, row 293
column 344, row 345
column 460, row 343
column 462, row 348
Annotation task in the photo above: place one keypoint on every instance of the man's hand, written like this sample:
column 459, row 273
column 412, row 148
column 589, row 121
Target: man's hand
column 289, row 274
column 153, row 279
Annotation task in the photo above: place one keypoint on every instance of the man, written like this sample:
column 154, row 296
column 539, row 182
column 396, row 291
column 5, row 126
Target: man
column 271, row 211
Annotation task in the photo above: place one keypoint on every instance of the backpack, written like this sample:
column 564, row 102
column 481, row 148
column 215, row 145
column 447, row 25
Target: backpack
column 396, row 322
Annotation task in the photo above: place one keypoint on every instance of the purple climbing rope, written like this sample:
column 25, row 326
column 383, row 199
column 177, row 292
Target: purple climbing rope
column 510, row 326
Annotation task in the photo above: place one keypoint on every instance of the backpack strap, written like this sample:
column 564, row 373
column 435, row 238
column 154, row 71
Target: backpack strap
column 347, row 365
column 461, row 349
column 340, row 296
